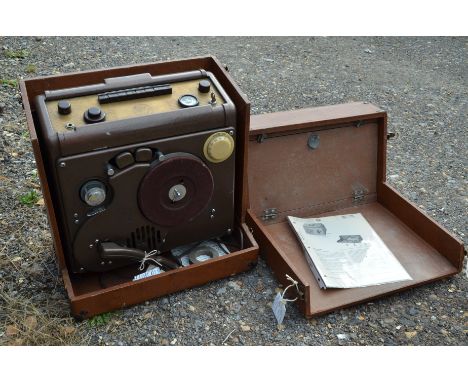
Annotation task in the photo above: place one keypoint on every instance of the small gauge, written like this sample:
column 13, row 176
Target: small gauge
column 188, row 100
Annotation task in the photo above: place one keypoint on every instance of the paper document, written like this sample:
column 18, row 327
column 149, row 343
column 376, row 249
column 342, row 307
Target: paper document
column 344, row 251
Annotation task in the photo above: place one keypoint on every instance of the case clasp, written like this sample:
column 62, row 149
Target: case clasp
column 270, row 214
column 359, row 193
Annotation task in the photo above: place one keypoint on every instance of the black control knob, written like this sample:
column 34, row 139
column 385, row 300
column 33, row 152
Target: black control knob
column 204, row 86
column 64, row 107
column 94, row 114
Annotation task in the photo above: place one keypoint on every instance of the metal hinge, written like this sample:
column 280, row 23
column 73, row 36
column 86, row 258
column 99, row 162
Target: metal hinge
column 261, row 138
column 359, row 192
column 270, row 214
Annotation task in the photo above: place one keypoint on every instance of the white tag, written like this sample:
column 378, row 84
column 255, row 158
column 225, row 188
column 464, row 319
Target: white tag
column 203, row 257
column 150, row 272
column 279, row 308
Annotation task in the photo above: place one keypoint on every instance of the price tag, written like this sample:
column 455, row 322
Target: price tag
column 279, row 303
column 279, row 308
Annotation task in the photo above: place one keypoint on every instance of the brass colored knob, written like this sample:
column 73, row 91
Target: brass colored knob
column 218, row 147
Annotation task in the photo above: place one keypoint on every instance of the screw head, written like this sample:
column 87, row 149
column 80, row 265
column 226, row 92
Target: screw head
column 62, row 164
column 229, row 230
column 91, row 246
column 231, row 132
column 76, row 221
column 110, row 171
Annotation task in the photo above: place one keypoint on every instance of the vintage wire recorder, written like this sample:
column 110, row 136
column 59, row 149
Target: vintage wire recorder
column 138, row 164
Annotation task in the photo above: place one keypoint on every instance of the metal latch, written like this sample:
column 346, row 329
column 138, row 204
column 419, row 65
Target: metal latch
column 270, row 214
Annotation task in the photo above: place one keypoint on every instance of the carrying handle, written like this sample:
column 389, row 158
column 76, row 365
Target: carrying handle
column 132, row 80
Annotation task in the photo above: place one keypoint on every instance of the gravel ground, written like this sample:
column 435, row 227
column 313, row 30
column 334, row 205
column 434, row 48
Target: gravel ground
column 421, row 82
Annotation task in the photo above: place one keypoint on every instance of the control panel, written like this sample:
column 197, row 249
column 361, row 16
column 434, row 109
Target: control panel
column 72, row 113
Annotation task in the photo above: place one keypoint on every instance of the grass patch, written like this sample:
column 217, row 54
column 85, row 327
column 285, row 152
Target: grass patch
column 31, row 68
column 11, row 83
column 28, row 323
column 29, row 198
column 100, row 320
column 25, row 134
column 22, row 53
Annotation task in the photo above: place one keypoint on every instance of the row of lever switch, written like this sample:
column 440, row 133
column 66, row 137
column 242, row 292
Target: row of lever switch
column 126, row 158
column 134, row 93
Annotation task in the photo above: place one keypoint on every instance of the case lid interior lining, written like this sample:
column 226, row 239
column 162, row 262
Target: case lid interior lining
column 314, row 171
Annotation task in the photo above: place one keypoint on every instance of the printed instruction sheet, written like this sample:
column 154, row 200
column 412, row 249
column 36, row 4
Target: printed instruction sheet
column 344, row 251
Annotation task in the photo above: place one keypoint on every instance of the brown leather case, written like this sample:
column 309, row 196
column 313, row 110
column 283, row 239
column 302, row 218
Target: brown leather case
column 92, row 294
column 332, row 160
column 344, row 173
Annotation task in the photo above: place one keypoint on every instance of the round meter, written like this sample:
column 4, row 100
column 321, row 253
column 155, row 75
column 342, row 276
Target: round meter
column 188, row 100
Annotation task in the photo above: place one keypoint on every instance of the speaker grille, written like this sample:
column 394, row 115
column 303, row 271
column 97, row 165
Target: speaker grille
column 145, row 237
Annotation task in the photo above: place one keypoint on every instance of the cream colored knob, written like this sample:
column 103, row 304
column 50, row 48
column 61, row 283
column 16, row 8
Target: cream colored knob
column 218, row 147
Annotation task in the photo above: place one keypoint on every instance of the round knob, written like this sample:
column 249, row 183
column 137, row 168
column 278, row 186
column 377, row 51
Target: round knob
column 64, row 107
column 204, row 86
column 218, row 147
column 94, row 114
column 93, row 193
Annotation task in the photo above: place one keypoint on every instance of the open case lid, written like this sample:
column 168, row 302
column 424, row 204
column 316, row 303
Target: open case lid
column 331, row 161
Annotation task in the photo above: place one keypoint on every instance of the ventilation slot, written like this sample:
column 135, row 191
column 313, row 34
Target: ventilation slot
column 145, row 237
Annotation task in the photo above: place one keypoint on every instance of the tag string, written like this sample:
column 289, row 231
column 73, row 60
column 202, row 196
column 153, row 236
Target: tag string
column 293, row 283
column 148, row 258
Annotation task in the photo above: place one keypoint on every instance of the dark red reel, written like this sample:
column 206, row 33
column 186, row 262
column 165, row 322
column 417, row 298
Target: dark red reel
column 175, row 190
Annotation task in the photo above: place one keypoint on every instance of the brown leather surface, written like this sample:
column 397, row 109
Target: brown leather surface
column 423, row 225
column 296, row 120
column 420, row 260
column 284, row 173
